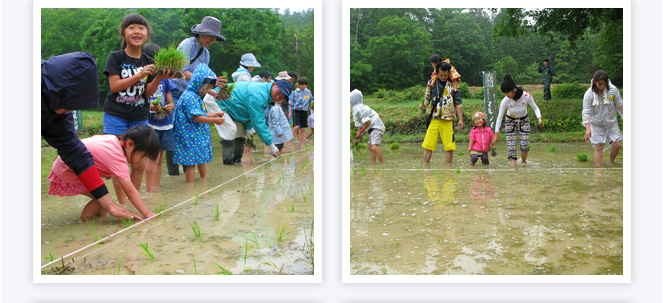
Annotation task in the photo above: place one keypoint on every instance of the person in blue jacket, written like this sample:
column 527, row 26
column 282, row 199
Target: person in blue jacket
column 70, row 82
column 246, row 110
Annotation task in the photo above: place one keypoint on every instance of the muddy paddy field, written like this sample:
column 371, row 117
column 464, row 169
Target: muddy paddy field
column 254, row 218
column 552, row 216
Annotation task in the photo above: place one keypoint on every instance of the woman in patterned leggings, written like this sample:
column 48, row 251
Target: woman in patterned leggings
column 516, row 124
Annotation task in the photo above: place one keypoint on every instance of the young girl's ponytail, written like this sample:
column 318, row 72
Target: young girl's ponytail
column 145, row 140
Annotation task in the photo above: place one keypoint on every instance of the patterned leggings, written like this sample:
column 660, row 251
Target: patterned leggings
column 516, row 128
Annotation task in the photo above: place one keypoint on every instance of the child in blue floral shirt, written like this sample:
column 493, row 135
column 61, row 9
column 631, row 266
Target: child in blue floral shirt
column 300, row 100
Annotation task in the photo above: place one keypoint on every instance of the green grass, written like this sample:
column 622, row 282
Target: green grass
column 51, row 256
column 254, row 240
column 280, row 232
column 147, row 250
column 90, row 225
column 216, row 212
column 126, row 222
column 117, row 268
column 223, row 270
column 162, row 207
column 195, row 229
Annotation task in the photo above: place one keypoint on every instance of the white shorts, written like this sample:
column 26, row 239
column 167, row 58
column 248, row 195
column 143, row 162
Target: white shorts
column 600, row 132
column 375, row 136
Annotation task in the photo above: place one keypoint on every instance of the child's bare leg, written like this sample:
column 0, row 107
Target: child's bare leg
column 427, row 155
column 302, row 134
column 189, row 174
column 449, row 155
column 309, row 134
column 371, row 148
column 151, row 174
column 295, row 130
column 523, row 156
column 92, row 209
column 377, row 152
column 157, row 179
column 119, row 192
column 615, row 151
column 202, row 170
column 598, row 154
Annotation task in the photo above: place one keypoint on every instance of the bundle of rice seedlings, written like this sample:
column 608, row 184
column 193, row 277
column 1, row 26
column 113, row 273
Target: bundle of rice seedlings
column 227, row 91
column 170, row 58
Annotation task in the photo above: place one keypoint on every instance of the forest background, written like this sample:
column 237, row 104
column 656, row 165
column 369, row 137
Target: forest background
column 279, row 40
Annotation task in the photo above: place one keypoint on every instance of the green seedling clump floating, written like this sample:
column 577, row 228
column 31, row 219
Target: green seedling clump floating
column 551, row 148
column 582, row 157
column 394, row 146
column 460, row 153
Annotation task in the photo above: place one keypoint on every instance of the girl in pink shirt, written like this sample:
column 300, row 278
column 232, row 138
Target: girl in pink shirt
column 112, row 157
column 480, row 139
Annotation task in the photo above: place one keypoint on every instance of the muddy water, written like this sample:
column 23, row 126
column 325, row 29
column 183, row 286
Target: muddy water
column 257, row 200
column 553, row 216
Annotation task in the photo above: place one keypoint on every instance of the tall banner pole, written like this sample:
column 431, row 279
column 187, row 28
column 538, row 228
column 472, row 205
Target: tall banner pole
column 490, row 97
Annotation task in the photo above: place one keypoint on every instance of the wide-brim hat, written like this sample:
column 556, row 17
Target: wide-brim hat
column 284, row 86
column 283, row 76
column 249, row 60
column 210, row 26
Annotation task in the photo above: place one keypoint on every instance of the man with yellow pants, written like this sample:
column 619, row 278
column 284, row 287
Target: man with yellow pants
column 447, row 105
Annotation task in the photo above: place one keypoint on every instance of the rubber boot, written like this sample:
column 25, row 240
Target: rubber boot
column 239, row 150
column 173, row 169
column 228, row 151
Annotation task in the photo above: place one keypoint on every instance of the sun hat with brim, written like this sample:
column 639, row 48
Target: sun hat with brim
column 283, row 76
column 479, row 115
column 249, row 60
column 210, row 26
column 284, row 86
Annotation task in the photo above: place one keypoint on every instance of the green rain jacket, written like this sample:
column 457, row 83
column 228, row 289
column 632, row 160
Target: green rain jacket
column 247, row 106
column 548, row 73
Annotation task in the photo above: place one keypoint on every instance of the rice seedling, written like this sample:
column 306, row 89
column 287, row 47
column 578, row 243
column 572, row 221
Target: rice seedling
column 582, row 157
column 195, row 267
column 50, row 257
column 126, row 222
column 551, row 149
column 161, row 208
column 281, row 231
column 308, row 247
column 458, row 170
column 195, row 229
column 361, row 146
column 223, row 270
column 291, row 207
column 383, row 269
column 254, row 239
column 304, row 196
column 90, row 225
column 246, row 251
column 117, row 268
column 460, row 153
column 216, row 212
column 147, row 250
column 439, row 239
column 394, row 146
column 196, row 201
column 170, row 58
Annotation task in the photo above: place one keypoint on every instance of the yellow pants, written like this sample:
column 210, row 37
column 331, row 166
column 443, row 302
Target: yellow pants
column 443, row 129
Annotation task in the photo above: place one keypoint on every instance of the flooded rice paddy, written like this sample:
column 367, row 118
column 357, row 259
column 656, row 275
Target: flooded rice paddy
column 264, row 225
column 552, row 216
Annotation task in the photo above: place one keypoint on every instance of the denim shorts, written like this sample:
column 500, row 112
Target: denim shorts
column 166, row 139
column 114, row 125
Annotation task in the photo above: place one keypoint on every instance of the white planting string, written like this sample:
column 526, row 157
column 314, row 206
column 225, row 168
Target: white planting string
column 181, row 203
